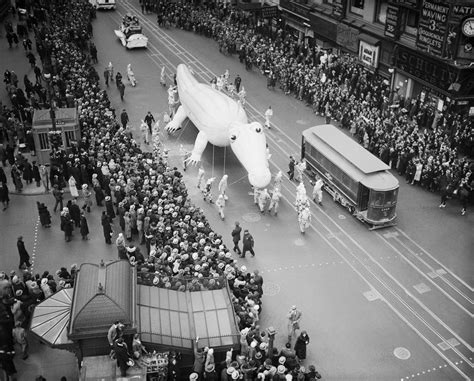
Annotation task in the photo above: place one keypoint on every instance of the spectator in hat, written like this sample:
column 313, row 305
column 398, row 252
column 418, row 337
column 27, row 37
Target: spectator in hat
column 24, row 256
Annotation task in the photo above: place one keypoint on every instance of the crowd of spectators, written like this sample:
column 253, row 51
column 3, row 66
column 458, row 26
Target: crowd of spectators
column 142, row 191
column 403, row 132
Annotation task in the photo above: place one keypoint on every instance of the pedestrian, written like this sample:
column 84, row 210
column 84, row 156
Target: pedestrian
column 109, row 207
column 122, row 356
column 242, row 94
column 124, row 118
column 36, row 174
column 463, row 192
column 93, row 51
column 44, row 177
column 268, row 116
column 74, row 212
column 163, row 76
column 38, row 74
column 236, row 237
column 291, row 167
column 294, row 318
column 107, row 228
column 72, row 187
column 84, row 227
column 118, row 79
column 121, row 89
column 149, row 120
column 4, row 197
column 247, row 244
column 106, row 76
column 58, row 197
column 220, row 203
column 300, row 346
column 318, row 190
column 110, row 68
column 237, row 82
column 67, row 224
column 131, row 75
column 223, row 187
column 299, row 170
column 185, row 155
column 44, row 215
column 24, row 256
column 87, row 195
column 274, row 202
column 201, row 173
column 27, row 172
column 207, row 192
column 263, row 198
column 144, row 131
column 304, row 218
column 19, row 337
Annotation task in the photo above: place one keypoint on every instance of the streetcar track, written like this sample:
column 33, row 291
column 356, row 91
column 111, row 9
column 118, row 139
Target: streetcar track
column 389, row 288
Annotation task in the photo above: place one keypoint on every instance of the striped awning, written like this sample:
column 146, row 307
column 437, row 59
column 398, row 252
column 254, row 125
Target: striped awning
column 51, row 319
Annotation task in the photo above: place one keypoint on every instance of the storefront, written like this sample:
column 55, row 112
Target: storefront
column 324, row 29
column 297, row 21
column 416, row 74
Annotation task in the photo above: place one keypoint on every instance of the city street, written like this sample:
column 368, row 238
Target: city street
column 391, row 304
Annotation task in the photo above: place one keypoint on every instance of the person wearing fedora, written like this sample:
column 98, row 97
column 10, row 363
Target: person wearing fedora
column 210, row 372
column 122, row 356
column 294, row 318
column 24, row 256
column 199, row 357
column 248, row 243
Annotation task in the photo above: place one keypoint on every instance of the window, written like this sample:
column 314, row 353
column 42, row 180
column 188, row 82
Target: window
column 43, row 140
column 357, row 7
column 381, row 12
column 411, row 21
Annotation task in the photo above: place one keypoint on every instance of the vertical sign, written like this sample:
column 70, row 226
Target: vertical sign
column 369, row 55
column 392, row 22
column 432, row 26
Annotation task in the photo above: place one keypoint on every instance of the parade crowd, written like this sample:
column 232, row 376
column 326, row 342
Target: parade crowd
column 139, row 190
column 431, row 148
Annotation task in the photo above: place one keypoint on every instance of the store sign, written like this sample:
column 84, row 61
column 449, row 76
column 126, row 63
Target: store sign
column 407, row 3
column 433, row 71
column 270, row 12
column 432, row 26
column 369, row 54
column 463, row 10
column 347, row 37
column 392, row 22
column 339, row 9
column 299, row 9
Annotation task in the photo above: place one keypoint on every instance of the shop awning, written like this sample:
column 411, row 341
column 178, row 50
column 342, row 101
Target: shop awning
column 175, row 318
column 51, row 319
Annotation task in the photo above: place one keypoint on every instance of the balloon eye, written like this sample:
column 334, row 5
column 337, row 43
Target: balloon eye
column 258, row 130
column 233, row 137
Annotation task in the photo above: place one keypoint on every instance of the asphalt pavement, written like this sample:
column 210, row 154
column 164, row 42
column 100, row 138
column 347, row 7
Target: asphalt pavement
column 395, row 304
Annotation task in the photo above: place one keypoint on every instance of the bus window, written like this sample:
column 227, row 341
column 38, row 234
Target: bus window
column 376, row 198
column 391, row 198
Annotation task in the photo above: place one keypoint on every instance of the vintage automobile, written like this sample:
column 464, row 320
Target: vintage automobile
column 103, row 4
column 130, row 33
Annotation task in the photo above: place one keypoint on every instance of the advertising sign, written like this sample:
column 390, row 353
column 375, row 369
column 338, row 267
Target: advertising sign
column 269, row 12
column 369, row 54
column 432, row 26
column 392, row 23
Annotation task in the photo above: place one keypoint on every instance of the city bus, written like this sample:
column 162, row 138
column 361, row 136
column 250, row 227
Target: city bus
column 354, row 177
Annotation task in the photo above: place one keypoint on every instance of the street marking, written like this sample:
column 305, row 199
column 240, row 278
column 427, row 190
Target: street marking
column 444, row 345
column 401, row 353
column 453, row 342
column 421, row 288
column 371, row 295
column 432, row 274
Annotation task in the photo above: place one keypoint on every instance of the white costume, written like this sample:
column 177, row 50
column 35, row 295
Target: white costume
column 73, row 187
column 201, row 173
column 318, row 191
column 299, row 170
column 163, row 77
column 223, row 186
column 220, row 203
column 131, row 75
column 144, row 131
column 268, row 116
column 277, row 182
column 274, row 202
column 263, row 198
column 304, row 219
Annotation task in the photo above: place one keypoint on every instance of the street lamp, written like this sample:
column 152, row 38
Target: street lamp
column 55, row 136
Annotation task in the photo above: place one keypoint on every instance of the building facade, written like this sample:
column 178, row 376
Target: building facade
column 424, row 48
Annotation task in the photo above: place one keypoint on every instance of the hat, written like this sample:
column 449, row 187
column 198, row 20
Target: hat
column 235, row 375
column 193, row 376
column 281, row 369
column 210, row 367
column 19, row 292
column 258, row 355
column 282, row 360
column 230, row 370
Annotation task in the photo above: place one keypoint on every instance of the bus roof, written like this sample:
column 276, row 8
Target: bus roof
column 345, row 148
